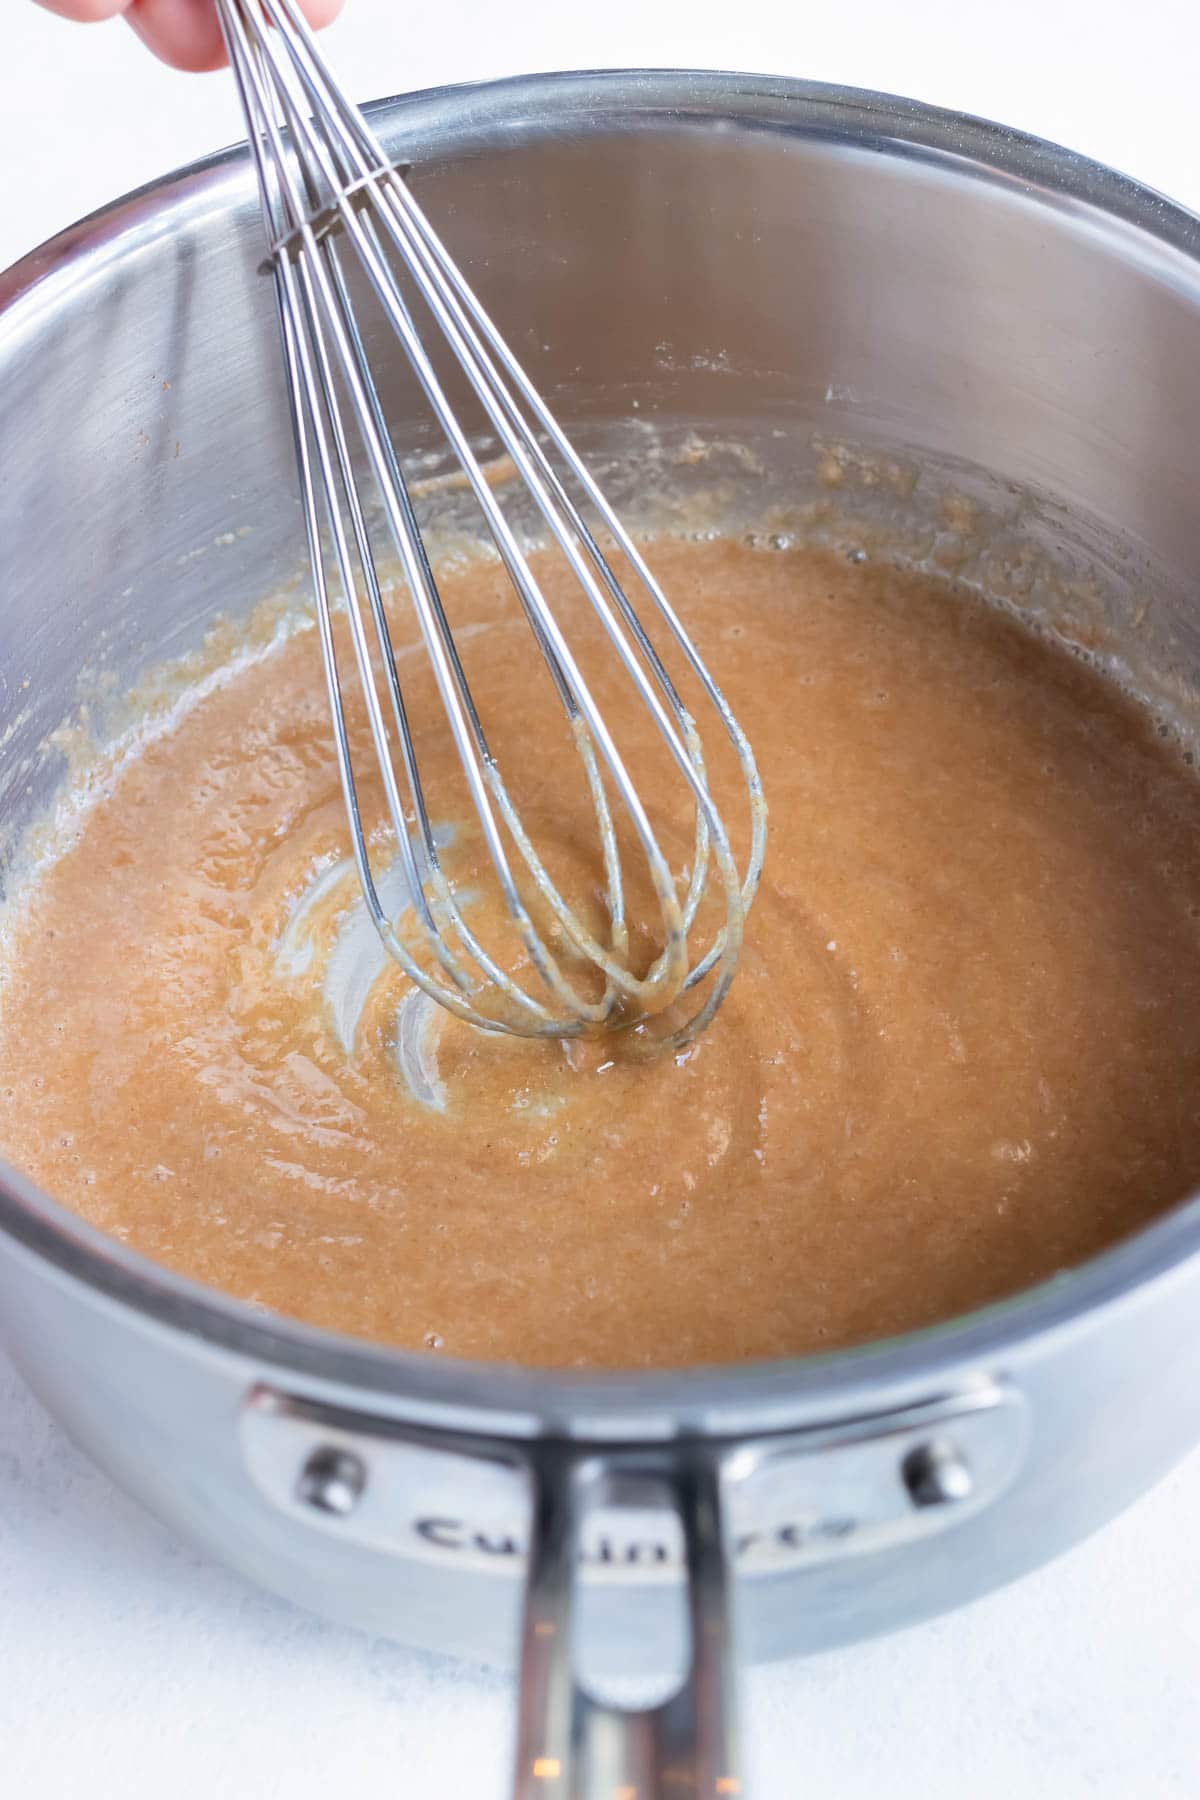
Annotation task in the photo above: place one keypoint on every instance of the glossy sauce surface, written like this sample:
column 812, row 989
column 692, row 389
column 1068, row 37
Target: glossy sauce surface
column 962, row 1052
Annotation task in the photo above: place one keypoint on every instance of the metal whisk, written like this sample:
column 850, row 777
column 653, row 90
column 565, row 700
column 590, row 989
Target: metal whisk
column 330, row 199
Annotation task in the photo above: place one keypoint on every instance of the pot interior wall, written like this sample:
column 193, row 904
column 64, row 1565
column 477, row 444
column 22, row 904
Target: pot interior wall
column 783, row 268
column 647, row 262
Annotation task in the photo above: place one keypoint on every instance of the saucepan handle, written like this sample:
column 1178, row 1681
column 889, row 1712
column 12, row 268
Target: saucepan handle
column 570, row 1746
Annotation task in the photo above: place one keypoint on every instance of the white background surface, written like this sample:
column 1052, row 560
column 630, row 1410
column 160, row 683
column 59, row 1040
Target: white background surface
column 132, row 1668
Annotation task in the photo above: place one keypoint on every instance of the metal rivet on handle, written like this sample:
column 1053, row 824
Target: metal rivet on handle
column 936, row 1474
column 332, row 1481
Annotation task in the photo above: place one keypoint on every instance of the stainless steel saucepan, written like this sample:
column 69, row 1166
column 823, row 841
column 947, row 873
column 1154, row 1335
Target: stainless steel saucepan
column 763, row 262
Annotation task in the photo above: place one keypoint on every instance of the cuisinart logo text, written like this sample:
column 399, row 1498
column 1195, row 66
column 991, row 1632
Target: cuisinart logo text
column 612, row 1552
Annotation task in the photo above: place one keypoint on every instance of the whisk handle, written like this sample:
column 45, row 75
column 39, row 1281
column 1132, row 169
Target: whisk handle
column 573, row 1746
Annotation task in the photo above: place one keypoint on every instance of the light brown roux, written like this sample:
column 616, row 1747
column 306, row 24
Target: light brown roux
column 962, row 1052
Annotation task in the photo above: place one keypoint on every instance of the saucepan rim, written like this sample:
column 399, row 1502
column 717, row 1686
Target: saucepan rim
column 528, row 1401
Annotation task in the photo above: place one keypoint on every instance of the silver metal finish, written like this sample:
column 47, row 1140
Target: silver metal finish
column 601, row 1521
column 937, row 1474
column 567, row 1737
column 331, row 198
column 332, row 1481
column 785, row 266
column 793, row 1499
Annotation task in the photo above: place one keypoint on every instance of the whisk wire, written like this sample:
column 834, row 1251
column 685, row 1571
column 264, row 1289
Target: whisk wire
column 599, row 798
column 372, row 165
column 426, row 248
column 309, row 439
column 546, row 965
column 591, row 1014
column 350, row 189
column 315, row 402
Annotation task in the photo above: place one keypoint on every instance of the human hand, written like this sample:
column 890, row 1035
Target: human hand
column 185, row 33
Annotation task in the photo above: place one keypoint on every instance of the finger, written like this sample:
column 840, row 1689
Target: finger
column 185, row 33
column 87, row 12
